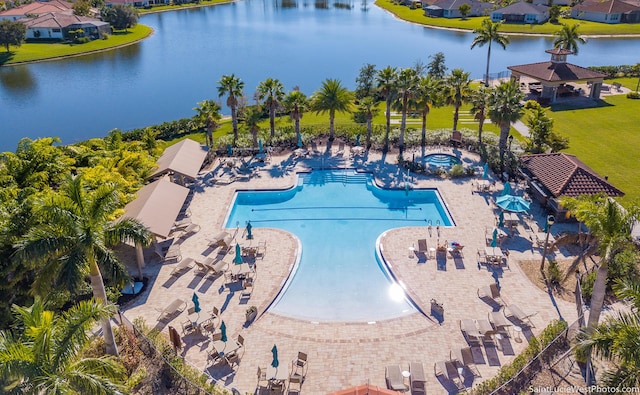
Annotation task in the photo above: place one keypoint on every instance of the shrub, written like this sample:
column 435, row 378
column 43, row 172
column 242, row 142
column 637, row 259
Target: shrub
column 587, row 285
column 633, row 95
column 554, row 275
column 457, row 171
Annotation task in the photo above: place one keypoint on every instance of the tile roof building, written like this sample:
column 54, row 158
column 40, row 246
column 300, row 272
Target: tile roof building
column 36, row 8
column 521, row 12
column 608, row 11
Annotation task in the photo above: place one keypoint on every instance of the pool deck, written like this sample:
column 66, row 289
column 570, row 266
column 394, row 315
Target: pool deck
column 343, row 355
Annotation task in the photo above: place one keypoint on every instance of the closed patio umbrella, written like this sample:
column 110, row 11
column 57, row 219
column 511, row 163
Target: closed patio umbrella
column 485, row 172
column 299, row 141
column 196, row 303
column 229, row 150
column 512, row 203
column 274, row 351
column 501, row 219
column 357, row 140
column 238, row 259
column 494, row 238
column 223, row 331
column 507, row 189
column 249, row 235
column 260, row 150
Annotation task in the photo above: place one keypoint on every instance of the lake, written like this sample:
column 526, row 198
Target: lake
column 301, row 43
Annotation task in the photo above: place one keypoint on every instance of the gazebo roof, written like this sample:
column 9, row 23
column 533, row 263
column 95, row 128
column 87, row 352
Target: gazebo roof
column 556, row 72
column 157, row 206
column 565, row 175
column 185, row 157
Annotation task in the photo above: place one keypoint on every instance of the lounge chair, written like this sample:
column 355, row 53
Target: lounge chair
column 174, row 307
column 182, row 267
column 448, row 370
column 340, row 151
column 514, row 311
column 499, row 322
column 417, row 378
column 470, row 331
column 223, row 239
column 395, row 380
column 215, row 267
column 262, row 249
column 181, row 225
column 464, row 357
column 202, row 269
column 168, row 254
column 247, row 290
column 189, row 230
column 422, row 247
column 491, row 291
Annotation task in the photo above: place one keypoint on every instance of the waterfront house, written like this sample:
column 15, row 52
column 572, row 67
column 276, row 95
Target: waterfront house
column 521, row 12
column 56, row 26
column 36, row 8
column 608, row 11
column 451, row 8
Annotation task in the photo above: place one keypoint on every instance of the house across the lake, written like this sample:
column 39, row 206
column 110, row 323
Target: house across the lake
column 57, row 26
column 608, row 11
column 451, row 8
column 36, row 8
column 521, row 12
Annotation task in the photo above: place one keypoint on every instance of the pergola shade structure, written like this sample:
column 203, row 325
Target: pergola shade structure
column 181, row 160
column 556, row 73
column 551, row 176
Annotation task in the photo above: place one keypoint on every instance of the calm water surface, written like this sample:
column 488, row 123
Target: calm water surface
column 163, row 77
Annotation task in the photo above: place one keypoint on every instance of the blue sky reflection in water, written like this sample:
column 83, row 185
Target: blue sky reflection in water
column 338, row 216
column 163, row 77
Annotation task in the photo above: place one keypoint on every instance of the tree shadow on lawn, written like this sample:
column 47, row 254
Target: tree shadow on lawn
column 6, row 56
column 580, row 105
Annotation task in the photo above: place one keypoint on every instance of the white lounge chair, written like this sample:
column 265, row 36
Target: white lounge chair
column 182, row 267
column 464, row 357
column 417, row 378
column 395, row 380
column 448, row 370
column 178, row 305
column 491, row 291
column 514, row 311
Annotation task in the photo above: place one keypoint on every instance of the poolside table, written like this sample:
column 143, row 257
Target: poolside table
column 511, row 219
column 277, row 375
column 542, row 236
column 483, row 185
column 240, row 269
column 225, row 347
column 493, row 254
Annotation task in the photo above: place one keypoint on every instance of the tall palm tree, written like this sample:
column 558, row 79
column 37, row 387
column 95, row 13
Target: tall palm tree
column 231, row 86
column 428, row 94
column 331, row 97
column 252, row 117
column 611, row 224
column 272, row 92
column 74, row 241
column 616, row 339
column 45, row 358
column 386, row 83
column 457, row 91
column 296, row 103
column 369, row 108
column 568, row 38
column 505, row 107
column 209, row 115
column 406, row 87
column 479, row 100
column 488, row 33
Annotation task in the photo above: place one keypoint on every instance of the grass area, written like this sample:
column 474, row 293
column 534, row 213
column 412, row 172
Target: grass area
column 606, row 138
column 586, row 27
column 30, row 52
column 202, row 3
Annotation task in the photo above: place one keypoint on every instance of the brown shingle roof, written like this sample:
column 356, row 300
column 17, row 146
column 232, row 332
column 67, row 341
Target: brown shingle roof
column 550, row 71
column 185, row 157
column 38, row 8
column 565, row 175
column 607, row 7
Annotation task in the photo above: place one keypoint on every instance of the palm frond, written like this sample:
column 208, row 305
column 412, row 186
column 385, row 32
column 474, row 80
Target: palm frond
column 111, row 267
column 128, row 230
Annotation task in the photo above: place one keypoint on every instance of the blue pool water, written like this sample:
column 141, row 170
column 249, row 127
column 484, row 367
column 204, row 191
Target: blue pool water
column 338, row 215
column 441, row 160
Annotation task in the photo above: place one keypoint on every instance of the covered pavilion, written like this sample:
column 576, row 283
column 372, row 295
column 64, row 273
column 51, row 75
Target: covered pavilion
column 554, row 76
column 181, row 160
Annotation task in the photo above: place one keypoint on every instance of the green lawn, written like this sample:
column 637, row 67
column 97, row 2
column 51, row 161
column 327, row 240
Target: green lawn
column 586, row 27
column 202, row 3
column 606, row 138
column 30, row 52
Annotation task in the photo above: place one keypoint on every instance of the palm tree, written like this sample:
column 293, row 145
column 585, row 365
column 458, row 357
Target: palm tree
column 45, row 358
column 296, row 103
column 611, row 224
column 504, row 109
column 616, row 339
column 369, row 108
column 331, row 97
column 272, row 92
column 252, row 117
column 386, row 82
column 457, row 91
column 427, row 96
column 568, row 38
column 406, row 86
column 74, row 242
column 479, row 101
column 487, row 33
column 231, row 86
column 209, row 115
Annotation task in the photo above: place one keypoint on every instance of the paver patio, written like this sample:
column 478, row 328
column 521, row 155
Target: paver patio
column 344, row 355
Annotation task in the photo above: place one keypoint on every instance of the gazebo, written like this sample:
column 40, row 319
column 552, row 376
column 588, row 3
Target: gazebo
column 551, row 176
column 181, row 160
column 554, row 75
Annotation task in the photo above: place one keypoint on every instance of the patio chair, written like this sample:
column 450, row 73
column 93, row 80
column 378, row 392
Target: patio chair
column 240, row 342
column 262, row 249
column 491, row 291
column 188, row 327
column 423, row 248
column 208, row 325
column 394, row 378
column 213, row 356
column 231, row 358
column 482, row 256
column 456, row 138
column 464, row 357
column 448, row 371
column 295, row 385
column 182, row 266
column 263, row 382
column 299, row 363
column 417, row 379
column 247, row 288
column 514, row 311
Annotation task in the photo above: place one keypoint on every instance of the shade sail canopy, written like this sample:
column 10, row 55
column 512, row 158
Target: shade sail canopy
column 185, row 158
column 157, row 206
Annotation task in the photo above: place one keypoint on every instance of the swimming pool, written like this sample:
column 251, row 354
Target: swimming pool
column 338, row 215
column 441, row 160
